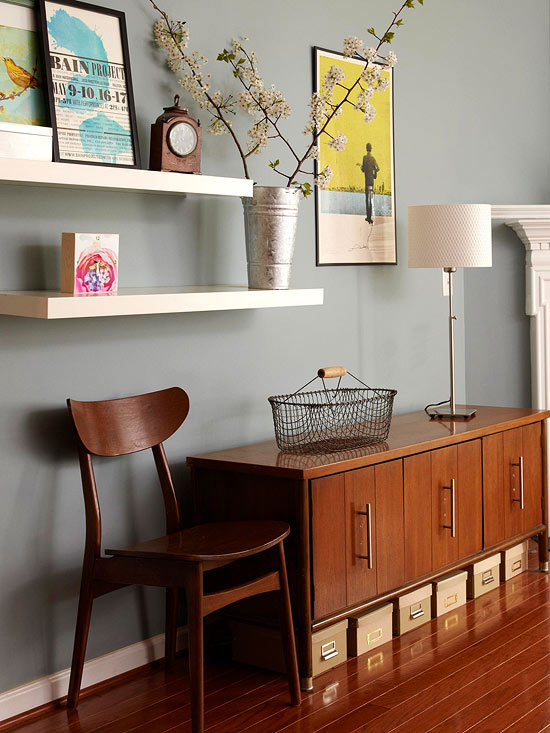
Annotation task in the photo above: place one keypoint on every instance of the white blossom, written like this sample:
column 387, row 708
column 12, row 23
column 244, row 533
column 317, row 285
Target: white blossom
column 339, row 142
column 323, row 179
column 318, row 112
column 383, row 83
column 314, row 153
column 371, row 74
column 258, row 135
column 363, row 98
column 370, row 112
column 370, row 54
column 335, row 75
column 391, row 59
column 245, row 102
column 352, row 45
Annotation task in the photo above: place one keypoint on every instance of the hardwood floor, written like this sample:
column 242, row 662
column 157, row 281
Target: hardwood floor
column 485, row 667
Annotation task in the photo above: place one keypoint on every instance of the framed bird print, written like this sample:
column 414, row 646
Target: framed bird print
column 22, row 99
column 89, row 84
column 355, row 214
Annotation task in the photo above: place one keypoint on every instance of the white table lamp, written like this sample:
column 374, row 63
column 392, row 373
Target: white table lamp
column 448, row 236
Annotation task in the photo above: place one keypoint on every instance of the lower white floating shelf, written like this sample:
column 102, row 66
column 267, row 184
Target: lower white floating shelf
column 143, row 301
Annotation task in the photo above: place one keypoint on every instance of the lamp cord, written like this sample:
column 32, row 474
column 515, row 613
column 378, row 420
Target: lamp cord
column 436, row 404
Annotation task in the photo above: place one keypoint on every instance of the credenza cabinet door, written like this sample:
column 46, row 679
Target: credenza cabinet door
column 512, row 483
column 375, row 539
column 457, row 529
column 328, row 539
column 361, row 535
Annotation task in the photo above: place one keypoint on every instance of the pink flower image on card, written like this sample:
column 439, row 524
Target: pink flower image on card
column 96, row 270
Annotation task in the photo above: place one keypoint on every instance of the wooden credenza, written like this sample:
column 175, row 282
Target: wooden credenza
column 370, row 524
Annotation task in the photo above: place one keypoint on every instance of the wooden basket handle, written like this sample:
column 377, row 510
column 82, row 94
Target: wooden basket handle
column 330, row 372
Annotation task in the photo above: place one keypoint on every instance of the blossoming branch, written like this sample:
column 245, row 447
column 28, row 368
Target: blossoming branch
column 267, row 105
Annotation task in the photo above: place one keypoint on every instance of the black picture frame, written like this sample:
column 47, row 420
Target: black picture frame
column 315, row 51
column 58, row 156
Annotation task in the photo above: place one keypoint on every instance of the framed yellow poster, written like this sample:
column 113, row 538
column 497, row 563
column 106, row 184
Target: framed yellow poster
column 355, row 213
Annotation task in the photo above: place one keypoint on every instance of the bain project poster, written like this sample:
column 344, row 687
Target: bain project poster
column 355, row 215
column 90, row 89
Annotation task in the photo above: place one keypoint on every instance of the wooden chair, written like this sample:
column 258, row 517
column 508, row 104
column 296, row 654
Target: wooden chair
column 176, row 560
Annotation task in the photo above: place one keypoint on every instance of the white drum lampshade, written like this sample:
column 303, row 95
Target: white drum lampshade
column 450, row 235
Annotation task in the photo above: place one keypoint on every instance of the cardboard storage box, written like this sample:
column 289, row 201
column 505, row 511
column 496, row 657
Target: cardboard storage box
column 262, row 646
column 514, row 561
column 369, row 630
column 449, row 593
column 412, row 610
column 25, row 141
column 483, row 576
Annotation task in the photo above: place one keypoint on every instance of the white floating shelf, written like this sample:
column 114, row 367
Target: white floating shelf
column 142, row 301
column 74, row 175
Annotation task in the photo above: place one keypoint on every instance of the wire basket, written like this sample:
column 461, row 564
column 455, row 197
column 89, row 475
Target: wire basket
column 329, row 420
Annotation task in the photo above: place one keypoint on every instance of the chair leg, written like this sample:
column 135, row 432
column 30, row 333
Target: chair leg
column 287, row 629
column 80, row 641
column 194, row 593
column 171, row 627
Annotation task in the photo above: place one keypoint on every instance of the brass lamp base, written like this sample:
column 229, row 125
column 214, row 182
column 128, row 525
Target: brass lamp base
column 446, row 412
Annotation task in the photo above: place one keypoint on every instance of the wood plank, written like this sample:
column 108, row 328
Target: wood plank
column 328, row 530
column 475, row 712
column 417, row 471
column 469, row 498
column 390, row 544
column 361, row 499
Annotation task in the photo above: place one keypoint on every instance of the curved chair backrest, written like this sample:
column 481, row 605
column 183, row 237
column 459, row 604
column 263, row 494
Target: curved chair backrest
column 131, row 424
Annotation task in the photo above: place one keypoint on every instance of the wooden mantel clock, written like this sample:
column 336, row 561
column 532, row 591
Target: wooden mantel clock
column 176, row 141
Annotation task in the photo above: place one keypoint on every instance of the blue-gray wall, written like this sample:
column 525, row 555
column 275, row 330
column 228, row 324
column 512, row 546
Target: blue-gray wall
column 471, row 124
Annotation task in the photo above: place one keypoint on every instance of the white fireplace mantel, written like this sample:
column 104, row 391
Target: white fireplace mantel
column 532, row 225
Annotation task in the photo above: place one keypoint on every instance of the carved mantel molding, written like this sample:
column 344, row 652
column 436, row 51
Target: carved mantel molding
column 532, row 225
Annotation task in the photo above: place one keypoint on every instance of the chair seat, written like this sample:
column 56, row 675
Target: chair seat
column 217, row 541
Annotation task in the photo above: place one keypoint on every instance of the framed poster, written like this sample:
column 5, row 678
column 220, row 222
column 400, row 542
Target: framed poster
column 89, row 84
column 355, row 214
column 22, row 99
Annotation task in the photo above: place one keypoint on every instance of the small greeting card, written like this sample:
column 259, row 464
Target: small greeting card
column 89, row 263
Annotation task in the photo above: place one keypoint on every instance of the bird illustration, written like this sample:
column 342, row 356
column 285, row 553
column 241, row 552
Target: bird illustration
column 19, row 75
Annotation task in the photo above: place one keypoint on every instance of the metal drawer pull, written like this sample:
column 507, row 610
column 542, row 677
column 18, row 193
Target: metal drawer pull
column 452, row 525
column 418, row 613
column 368, row 515
column 329, row 651
column 374, row 636
column 451, row 600
column 516, row 565
column 521, row 492
column 487, row 577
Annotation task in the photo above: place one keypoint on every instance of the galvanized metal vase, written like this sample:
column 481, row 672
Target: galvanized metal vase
column 270, row 219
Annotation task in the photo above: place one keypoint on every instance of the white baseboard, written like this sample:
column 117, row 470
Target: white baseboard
column 53, row 686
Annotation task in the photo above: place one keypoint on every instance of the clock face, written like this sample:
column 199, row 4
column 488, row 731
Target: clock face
column 182, row 139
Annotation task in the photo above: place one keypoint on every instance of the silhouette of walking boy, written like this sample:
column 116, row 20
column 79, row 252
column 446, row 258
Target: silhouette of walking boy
column 370, row 169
